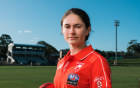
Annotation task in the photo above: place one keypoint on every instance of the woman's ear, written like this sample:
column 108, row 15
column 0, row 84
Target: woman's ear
column 88, row 30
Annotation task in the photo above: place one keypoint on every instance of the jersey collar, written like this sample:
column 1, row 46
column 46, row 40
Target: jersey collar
column 81, row 55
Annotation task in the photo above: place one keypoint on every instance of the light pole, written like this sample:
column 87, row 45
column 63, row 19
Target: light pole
column 116, row 24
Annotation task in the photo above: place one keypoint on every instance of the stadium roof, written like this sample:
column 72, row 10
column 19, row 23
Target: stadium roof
column 30, row 45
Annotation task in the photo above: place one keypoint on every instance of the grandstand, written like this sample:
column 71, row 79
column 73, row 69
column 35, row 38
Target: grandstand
column 25, row 54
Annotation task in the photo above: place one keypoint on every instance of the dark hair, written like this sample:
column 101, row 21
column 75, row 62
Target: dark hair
column 82, row 14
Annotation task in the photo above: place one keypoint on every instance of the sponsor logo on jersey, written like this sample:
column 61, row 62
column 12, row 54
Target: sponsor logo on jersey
column 73, row 79
column 99, row 84
column 98, row 80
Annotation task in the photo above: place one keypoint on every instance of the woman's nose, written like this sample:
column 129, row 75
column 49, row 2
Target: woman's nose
column 72, row 31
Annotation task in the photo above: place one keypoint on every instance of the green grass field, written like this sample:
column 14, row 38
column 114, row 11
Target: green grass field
column 34, row 76
column 126, row 62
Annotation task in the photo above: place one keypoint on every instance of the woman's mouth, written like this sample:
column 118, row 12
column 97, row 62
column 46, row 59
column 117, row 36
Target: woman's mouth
column 72, row 38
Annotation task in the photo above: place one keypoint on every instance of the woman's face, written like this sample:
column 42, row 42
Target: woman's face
column 74, row 29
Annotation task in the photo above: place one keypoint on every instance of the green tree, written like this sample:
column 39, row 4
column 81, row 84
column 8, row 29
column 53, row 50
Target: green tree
column 101, row 52
column 5, row 39
column 133, row 47
column 50, row 52
column 49, row 48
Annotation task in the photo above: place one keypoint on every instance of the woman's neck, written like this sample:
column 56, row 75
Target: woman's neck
column 74, row 49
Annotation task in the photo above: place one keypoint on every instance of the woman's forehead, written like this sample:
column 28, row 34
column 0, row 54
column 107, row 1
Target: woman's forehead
column 72, row 19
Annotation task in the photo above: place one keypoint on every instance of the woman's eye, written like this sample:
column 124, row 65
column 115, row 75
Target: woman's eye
column 67, row 26
column 78, row 26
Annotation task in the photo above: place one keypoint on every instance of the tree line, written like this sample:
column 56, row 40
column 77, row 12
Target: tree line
column 133, row 48
column 133, row 51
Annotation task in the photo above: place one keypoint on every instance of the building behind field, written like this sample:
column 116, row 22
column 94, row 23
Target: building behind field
column 26, row 54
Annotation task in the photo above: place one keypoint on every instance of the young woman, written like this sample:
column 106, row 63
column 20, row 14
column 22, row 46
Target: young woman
column 82, row 67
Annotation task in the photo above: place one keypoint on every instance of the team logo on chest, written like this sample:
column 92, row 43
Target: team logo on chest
column 73, row 79
column 78, row 66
